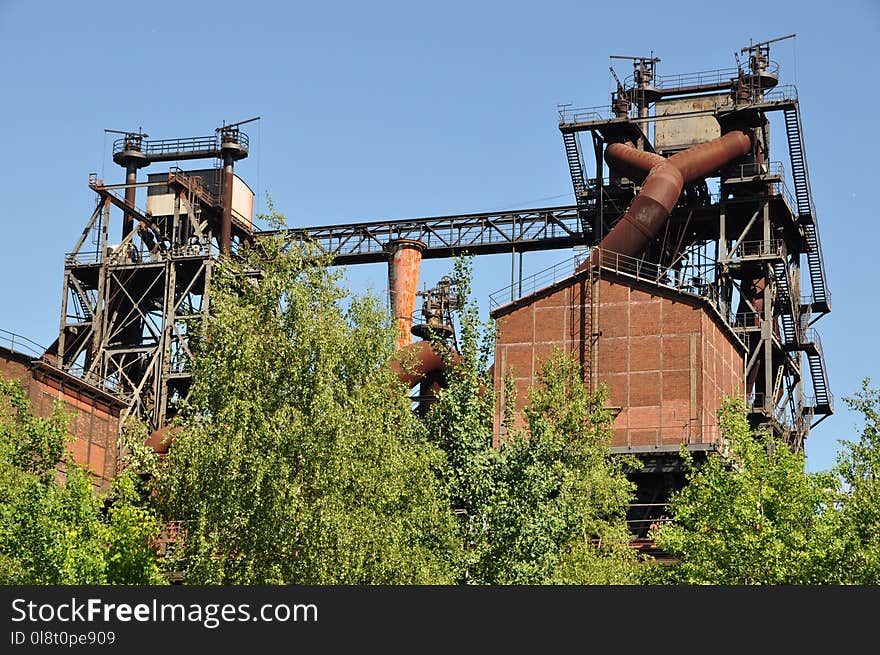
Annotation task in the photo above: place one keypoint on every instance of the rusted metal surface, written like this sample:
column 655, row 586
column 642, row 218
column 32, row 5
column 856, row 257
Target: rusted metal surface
column 662, row 187
column 404, row 263
column 701, row 160
column 624, row 159
column 419, row 361
column 130, row 198
column 226, row 209
column 160, row 440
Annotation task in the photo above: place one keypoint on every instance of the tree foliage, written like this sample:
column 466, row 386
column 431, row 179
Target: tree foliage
column 298, row 459
column 753, row 515
column 859, row 468
column 548, row 503
column 53, row 528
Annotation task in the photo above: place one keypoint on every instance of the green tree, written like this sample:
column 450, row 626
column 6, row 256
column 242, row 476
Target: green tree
column 298, row 459
column 858, row 465
column 753, row 515
column 53, row 528
column 547, row 503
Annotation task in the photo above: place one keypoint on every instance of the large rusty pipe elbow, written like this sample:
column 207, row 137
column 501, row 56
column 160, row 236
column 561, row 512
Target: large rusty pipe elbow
column 626, row 160
column 647, row 213
column 662, row 187
column 699, row 161
column 416, row 361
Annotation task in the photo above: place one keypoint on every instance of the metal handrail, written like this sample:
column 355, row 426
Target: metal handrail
column 675, row 81
column 754, row 169
column 616, row 262
column 189, row 144
column 584, row 114
column 811, row 335
column 569, row 114
column 784, row 92
column 759, row 248
column 194, row 184
column 681, row 432
column 745, row 320
column 25, row 346
column 532, row 284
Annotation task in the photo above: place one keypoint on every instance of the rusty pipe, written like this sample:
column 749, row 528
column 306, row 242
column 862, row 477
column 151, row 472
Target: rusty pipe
column 404, row 262
column 130, row 197
column 417, row 361
column 226, row 215
column 626, row 160
column 700, row 160
column 662, row 187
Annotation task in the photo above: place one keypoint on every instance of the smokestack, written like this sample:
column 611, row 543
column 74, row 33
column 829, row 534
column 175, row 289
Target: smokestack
column 404, row 261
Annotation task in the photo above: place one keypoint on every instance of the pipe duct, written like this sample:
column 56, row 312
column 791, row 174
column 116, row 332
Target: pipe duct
column 664, row 180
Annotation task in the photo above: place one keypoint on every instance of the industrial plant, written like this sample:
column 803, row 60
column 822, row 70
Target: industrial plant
column 694, row 272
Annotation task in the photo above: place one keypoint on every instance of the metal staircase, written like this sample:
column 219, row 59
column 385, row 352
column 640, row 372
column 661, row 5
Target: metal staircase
column 576, row 168
column 787, row 309
column 85, row 306
column 806, row 213
column 823, row 402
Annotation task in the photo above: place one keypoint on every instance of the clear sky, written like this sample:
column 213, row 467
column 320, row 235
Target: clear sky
column 388, row 110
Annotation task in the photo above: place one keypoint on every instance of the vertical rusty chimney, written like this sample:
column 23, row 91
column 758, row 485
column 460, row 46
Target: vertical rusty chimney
column 233, row 146
column 226, row 204
column 404, row 262
column 130, row 196
column 130, row 154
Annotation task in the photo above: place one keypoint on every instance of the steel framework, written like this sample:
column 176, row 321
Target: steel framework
column 129, row 308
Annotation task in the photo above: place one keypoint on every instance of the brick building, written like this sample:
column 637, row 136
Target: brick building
column 94, row 423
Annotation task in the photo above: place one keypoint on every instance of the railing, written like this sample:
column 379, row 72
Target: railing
column 783, row 93
column 810, row 402
column 108, row 385
column 754, row 169
column 745, row 320
column 83, row 257
column 773, row 169
column 569, row 114
column 134, row 255
column 811, row 335
column 194, row 184
column 234, row 136
column 656, row 517
column 746, row 249
column 17, row 343
column 756, row 401
column 621, row 264
column 534, row 283
column 700, row 78
column 23, row 345
column 190, row 144
column 675, row 434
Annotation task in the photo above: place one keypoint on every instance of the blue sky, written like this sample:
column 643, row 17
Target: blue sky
column 386, row 110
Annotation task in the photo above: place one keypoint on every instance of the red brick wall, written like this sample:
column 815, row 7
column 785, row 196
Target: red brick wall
column 94, row 424
column 666, row 362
